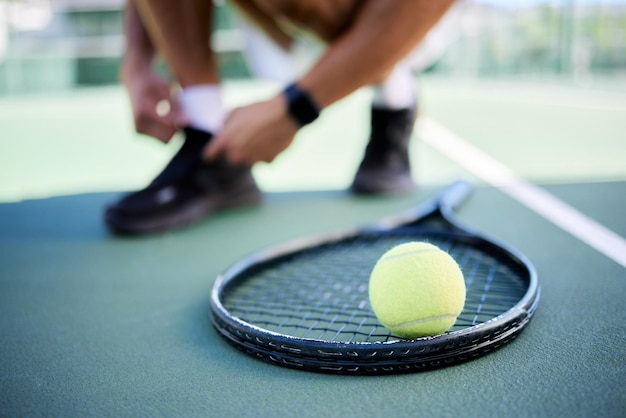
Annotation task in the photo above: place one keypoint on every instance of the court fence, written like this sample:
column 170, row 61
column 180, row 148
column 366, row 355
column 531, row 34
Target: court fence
column 56, row 45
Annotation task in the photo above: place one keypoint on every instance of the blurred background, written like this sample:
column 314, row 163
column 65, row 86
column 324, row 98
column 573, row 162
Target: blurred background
column 52, row 45
column 532, row 82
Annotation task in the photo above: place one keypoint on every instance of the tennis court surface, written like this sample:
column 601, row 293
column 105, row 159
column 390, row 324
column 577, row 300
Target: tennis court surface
column 95, row 325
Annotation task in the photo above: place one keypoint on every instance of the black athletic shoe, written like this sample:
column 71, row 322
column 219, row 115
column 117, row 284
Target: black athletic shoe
column 187, row 190
column 386, row 168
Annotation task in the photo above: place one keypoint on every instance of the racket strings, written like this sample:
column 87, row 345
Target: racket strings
column 307, row 299
column 322, row 293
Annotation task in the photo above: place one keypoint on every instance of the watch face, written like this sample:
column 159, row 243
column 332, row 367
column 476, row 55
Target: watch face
column 301, row 106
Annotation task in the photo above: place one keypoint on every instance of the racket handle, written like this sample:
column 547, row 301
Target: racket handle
column 455, row 194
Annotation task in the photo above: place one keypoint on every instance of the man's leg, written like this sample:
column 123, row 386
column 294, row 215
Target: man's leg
column 386, row 167
column 187, row 189
column 327, row 19
column 181, row 33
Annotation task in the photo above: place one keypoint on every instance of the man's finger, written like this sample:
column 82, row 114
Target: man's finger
column 163, row 134
column 214, row 148
column 176, row 115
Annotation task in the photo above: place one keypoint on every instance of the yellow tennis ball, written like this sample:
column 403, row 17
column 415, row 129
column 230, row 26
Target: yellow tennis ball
column 417, row 290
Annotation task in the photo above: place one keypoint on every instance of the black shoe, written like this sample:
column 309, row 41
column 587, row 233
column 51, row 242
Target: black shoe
column 187, row 190
column 386, row 168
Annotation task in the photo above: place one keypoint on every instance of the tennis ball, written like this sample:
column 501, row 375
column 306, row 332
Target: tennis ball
column 417, row 290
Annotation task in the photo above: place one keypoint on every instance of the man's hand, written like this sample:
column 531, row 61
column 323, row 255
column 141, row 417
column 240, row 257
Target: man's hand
column 155, row 111
column 258, row 132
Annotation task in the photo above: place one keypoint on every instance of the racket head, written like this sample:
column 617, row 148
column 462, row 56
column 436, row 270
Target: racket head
column 305, row 304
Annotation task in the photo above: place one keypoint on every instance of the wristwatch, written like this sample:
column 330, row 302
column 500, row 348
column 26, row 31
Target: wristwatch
column 302, row 108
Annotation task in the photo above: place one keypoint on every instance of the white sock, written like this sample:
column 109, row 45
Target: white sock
column 203, row 106
column 397, row 91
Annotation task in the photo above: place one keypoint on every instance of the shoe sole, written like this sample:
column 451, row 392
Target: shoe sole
column 187, row 215
column 364, row 187
column 366, row 191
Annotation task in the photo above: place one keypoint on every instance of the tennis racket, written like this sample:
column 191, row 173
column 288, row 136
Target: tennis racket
column 305, row 304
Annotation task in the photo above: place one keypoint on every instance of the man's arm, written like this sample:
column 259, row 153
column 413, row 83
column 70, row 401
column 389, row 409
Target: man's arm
column 381, row 34
column 146, row 89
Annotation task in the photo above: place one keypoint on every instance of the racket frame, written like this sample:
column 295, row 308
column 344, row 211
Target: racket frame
column 395, row 356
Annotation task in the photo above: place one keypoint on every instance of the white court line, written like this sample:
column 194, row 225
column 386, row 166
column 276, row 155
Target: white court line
column 493, row 172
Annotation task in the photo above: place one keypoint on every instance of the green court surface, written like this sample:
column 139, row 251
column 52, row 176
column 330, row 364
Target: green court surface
column 95, row 325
